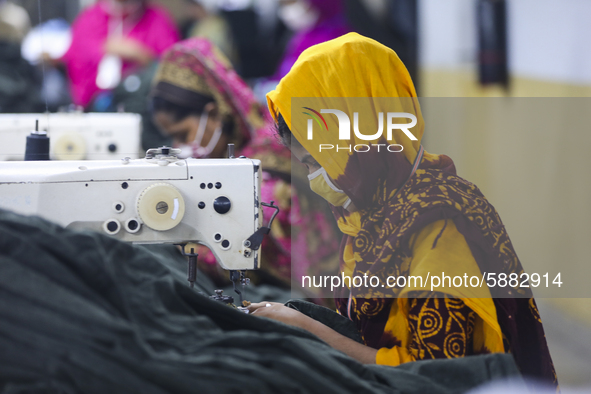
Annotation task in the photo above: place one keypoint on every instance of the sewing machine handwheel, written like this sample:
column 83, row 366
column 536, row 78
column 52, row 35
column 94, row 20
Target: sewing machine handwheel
column 161, row 206
column 70, row 146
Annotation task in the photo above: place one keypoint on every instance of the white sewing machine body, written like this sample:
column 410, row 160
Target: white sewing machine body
column 213, row 202
column 74, row 136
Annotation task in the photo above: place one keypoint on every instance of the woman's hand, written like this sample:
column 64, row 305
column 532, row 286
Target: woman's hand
column 129, row 49
column 279, row 312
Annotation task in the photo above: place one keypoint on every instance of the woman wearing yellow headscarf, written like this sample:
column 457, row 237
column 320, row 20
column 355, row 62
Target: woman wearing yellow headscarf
column 403, row 212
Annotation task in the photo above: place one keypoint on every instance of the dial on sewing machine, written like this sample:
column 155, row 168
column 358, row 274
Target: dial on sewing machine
column 158, row 199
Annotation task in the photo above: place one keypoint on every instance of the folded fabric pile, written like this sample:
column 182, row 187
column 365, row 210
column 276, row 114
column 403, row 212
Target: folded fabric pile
column 84, row 313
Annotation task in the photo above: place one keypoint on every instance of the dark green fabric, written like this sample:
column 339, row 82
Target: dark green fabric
column 84, row 313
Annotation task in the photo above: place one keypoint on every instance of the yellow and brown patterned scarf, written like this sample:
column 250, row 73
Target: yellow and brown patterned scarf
column 377, row 236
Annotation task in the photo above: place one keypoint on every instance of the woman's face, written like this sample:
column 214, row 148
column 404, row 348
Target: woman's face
column 304, row 157
column 124, row 7
column 184, row 131
column 298, row 15
column 312, row 165
column 128, row 2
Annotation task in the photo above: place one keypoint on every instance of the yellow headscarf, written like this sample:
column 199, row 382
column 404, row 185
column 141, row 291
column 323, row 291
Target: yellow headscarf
column 329, row 72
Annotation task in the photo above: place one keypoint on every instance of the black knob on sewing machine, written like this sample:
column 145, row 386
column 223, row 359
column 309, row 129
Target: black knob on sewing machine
column 222, row 205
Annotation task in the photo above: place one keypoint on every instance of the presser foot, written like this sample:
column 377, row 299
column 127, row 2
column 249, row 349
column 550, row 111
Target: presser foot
column 239, row 278
column 229, row 301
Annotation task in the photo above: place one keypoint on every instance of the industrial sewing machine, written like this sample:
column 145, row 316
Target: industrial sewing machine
column 74, row 135
column 159, row 199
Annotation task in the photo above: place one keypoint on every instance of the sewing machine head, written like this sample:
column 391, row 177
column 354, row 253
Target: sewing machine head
column 157, row 200
column 74, row 135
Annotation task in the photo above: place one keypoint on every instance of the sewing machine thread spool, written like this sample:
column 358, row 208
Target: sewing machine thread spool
column 37, row 147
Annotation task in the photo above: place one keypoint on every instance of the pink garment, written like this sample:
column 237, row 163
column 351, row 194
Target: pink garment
column 154, row 28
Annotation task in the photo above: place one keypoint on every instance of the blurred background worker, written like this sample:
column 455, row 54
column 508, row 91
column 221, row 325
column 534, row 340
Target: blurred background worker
column 14, row 21
column 112, row 38
column 19, row 82
column 313, row 22
column 205, row 22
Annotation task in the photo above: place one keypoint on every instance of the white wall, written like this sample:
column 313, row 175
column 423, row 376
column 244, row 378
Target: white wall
column 447, row 33
column 548, row 39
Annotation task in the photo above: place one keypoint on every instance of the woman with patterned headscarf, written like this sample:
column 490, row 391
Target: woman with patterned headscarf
column 404, row 213
column 199, row 100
